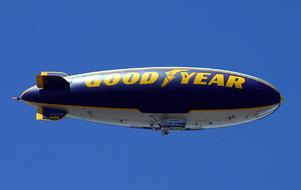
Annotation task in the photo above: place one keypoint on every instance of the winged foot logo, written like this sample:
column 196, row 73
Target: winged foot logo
column 170, row 75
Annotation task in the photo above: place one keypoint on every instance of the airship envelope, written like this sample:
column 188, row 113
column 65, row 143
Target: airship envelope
column 163, row 98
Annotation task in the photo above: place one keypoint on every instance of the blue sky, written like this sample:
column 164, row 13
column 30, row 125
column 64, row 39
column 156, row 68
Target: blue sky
column 260, row 38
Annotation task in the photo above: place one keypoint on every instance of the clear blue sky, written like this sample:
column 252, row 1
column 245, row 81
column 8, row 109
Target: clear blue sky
column 261, row 38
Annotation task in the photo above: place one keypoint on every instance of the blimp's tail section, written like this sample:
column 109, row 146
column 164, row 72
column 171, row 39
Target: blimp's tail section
column 51, row 80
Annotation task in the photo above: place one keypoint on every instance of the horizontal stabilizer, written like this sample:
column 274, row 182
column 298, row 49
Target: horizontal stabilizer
column 52, row 80
column 50, row 114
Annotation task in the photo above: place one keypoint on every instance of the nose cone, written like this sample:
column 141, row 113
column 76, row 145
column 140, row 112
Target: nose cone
column 259, row 93
column 268, row 94
column 30, row 95
column 274, row 95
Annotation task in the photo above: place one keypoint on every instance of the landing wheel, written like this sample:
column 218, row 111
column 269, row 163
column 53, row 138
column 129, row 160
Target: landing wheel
column 164, row 131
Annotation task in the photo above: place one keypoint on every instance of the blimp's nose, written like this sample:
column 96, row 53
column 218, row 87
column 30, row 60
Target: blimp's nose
column 281, row 99
column 30, row 95
column 273, row 96
column 266, row 94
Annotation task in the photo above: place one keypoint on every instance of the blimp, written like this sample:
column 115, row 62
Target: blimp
column 163, row 99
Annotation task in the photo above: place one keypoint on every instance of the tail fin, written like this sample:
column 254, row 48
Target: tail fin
column 50, row 114
column 51, row 80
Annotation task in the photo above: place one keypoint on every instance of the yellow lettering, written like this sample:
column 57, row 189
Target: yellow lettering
column 200, row 77
column 186, row 77
column 149, row 77
column 131, row 78
column 112, row 79
column 235, row 81
column 217, row 79
column 93, row 83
